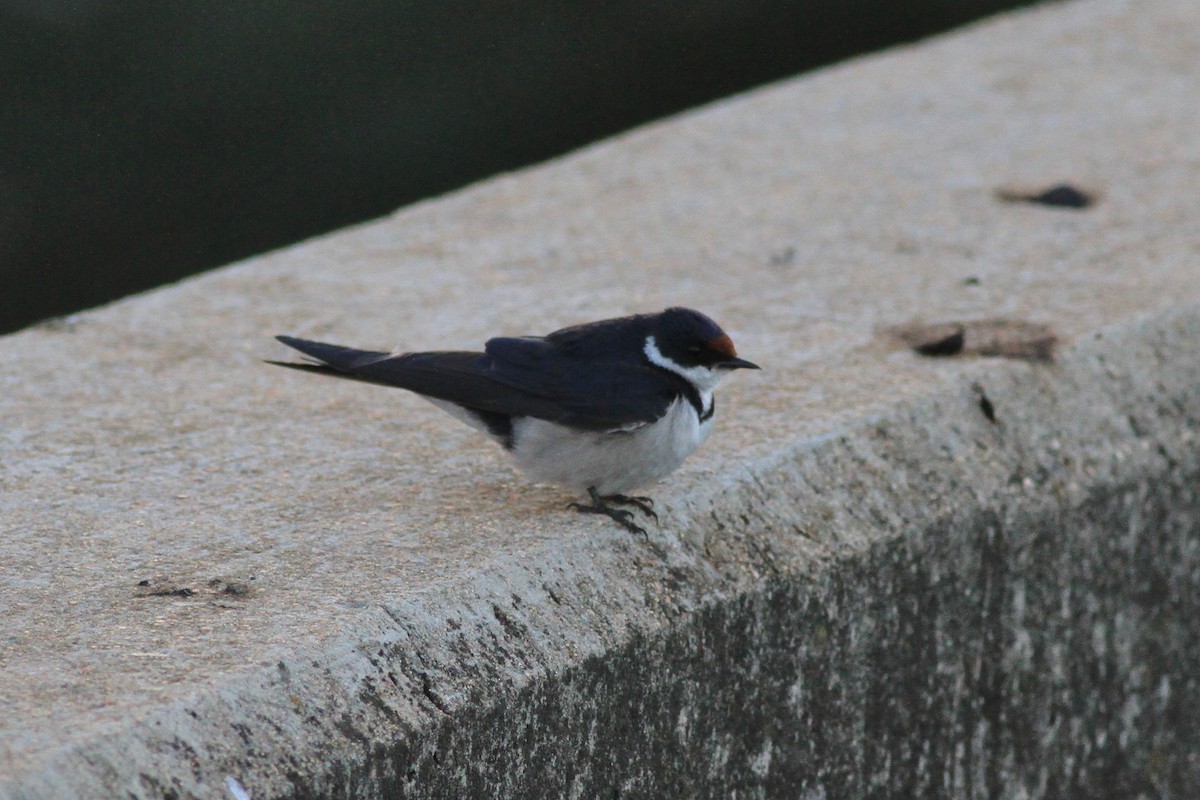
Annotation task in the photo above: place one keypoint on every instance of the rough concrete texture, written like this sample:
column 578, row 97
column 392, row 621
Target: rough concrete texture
column 222, row 579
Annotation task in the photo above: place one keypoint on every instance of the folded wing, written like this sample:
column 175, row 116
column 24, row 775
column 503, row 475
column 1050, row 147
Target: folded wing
column 514, row 377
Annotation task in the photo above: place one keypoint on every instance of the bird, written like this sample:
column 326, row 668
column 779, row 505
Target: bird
column 601, row 408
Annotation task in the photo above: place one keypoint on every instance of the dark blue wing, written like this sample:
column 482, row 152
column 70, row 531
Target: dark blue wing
column 592, row 393
column 515, row 377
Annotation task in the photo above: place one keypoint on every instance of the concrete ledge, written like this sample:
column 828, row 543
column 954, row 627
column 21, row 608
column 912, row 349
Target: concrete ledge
column 222, row 579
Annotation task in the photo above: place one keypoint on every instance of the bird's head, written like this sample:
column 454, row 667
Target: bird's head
column 690, row 344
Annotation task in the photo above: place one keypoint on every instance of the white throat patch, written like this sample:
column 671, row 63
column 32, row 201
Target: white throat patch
column 703, row 378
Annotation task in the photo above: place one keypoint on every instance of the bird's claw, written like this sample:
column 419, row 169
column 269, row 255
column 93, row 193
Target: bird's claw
column 646, row 504
column 601, row 505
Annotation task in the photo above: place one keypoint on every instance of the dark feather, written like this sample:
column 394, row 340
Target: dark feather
column 526, row 377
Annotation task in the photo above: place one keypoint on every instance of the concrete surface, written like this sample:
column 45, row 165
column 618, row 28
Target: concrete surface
column 221, row 579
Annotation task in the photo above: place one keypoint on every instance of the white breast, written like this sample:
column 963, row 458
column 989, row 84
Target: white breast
column 611, row 461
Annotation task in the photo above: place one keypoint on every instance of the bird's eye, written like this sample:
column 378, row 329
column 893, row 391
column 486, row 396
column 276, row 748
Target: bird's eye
column 694, row 349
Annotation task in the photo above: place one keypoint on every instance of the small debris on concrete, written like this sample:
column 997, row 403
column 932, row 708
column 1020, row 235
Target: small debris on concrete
column 162, row 586
column 937, row 340
column 178, row 591
column 231, row 587
column 985, row 403
column 989, row 411
column 1005, row 338
column 1062, row 195
column 1011, row 338
column 167, row 587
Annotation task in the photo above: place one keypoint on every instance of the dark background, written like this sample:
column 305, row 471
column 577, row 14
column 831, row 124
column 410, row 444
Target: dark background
column 142, row 140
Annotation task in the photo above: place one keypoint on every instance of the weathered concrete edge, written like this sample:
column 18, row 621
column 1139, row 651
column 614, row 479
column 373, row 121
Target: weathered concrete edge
column 410, row 703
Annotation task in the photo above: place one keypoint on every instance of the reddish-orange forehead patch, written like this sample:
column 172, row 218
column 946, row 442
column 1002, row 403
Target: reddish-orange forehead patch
column 722, row 344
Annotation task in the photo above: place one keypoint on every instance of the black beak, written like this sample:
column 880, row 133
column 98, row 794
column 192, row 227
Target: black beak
column 737, row 363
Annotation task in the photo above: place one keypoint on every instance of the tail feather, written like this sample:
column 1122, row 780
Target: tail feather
column 342, row 358
column 334, row 360
column 320, row 369
column 449, row 375
column 455, row 376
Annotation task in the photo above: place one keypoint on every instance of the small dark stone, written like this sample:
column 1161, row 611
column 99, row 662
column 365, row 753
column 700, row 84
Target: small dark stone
column 947, row 345
column 1064, row 196
column 182, row 591
column 1006, row 338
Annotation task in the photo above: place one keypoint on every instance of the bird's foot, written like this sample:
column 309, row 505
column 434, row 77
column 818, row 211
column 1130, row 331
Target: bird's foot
column 644, row 503
column 601, row 504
